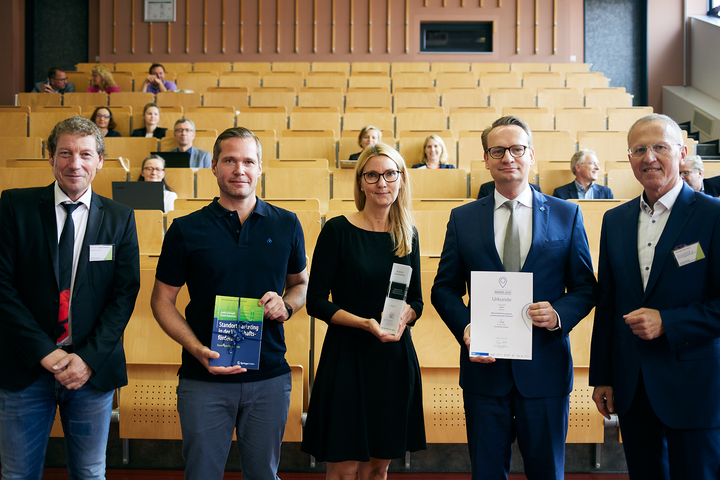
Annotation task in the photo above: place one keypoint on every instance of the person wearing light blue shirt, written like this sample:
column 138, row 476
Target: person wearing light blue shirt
column 586, row 167
column 184, row 132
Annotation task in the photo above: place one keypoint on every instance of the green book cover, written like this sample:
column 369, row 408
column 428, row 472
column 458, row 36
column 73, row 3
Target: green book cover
column 237, row 332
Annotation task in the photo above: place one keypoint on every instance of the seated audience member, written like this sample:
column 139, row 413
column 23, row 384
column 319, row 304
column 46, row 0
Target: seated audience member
column 103, row 118
column 585, row 166
column 712, row 186
column 151, row 115
column 184, row 136
column 101, row 80
column 153, row 170
column 488, row 188
column 156, row 83
column 369, row 136
column 693, row 172
column 56, row 82
column 434, row 154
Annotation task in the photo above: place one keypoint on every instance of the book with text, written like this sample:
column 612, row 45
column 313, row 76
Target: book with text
column 237, row 332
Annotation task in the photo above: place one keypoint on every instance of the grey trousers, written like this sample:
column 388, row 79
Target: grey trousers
column 209, row 414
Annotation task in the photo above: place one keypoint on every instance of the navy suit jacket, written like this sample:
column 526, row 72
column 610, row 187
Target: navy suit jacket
column 488, row 188
column 570, row 191
column 103, row 295
column 681, row 369
column 712, row 186
column 559, row 258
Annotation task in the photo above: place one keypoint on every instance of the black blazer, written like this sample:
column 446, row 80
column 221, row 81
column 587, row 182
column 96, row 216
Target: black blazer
column 157, row 133
column 488, row 188
column 712, row 186
column 103, row 296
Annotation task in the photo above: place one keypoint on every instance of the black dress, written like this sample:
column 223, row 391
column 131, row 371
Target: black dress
column 367, row 397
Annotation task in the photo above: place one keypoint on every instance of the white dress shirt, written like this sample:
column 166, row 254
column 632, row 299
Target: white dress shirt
column 80, row 220
column 651, row 223
column 523, row 217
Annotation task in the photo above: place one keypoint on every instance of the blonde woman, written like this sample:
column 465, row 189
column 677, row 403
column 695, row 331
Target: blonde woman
column 366, row 405
column 151, row 116
column 101, row 80
column 434, row 155
column 369, row 135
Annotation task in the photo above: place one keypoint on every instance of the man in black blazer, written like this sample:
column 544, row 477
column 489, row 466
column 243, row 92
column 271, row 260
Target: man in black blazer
column 712, row 186
column 63, row 347
column 585, row 166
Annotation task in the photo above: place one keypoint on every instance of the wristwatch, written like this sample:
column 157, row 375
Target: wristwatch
column 289, row 309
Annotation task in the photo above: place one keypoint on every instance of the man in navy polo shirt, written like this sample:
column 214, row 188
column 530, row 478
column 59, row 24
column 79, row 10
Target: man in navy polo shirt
column 242, row 247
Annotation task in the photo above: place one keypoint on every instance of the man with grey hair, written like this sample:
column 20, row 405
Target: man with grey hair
column 586, row 167
column 655, row 352
column 692, row 171
column 238, row 246
column 184, row 136
column 69, row 277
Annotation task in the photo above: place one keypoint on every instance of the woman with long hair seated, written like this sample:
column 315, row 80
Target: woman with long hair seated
column 151, row 115
column 101, row 80
column 369, row 136
column 153, row 170
column 434, row 154
column 366, row 405
column 103, row 118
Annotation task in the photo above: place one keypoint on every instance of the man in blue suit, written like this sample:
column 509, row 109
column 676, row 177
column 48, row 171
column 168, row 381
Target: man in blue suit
column 585, row 166
column 655, row 357
column 69, row 276
column 523, row 399
column 184, row 132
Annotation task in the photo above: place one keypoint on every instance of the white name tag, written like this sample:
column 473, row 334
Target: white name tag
column 101, row 253
column 688, row 254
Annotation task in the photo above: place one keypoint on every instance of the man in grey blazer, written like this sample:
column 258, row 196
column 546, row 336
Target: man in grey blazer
column 184, row 132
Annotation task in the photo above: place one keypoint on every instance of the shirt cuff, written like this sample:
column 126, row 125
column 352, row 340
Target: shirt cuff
column 559, row 325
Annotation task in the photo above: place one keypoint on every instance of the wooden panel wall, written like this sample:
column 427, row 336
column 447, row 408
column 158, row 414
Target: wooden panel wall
column 381, row 30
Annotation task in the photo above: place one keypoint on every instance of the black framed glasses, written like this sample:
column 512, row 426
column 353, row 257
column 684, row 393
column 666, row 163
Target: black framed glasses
column 374, row 177
column 102, row 115
column 661, row 149
column 497, row 153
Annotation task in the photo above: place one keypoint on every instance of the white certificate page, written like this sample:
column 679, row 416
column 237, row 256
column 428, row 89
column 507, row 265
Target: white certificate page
column 500, row 321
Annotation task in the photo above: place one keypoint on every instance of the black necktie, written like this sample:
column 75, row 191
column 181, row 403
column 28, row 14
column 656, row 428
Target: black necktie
column 66, row 248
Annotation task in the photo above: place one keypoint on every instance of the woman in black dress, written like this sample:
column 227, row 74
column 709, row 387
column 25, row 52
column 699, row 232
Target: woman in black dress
column 366, row 402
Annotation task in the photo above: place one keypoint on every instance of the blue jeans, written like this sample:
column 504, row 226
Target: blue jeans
column 26, row 418
column 210, row 412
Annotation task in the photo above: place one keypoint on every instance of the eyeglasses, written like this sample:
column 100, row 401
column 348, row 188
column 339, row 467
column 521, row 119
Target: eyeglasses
column 100, row 115
column 590, row 164
column 686, row 173
column 184, row 130
column 60, row 79
column 497, row 153
column 153, row 169
column 661, row 149
column 374, row 177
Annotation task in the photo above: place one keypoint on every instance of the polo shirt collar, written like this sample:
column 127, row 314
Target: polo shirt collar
column 261, row 208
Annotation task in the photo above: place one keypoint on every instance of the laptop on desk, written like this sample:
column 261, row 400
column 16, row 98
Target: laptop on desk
column 139, row 195
column 175, row 159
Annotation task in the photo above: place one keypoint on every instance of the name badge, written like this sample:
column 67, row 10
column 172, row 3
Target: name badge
column 101, row 253
column 688, row 254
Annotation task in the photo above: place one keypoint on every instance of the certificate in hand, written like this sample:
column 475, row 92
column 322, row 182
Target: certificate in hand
column 500, row 321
